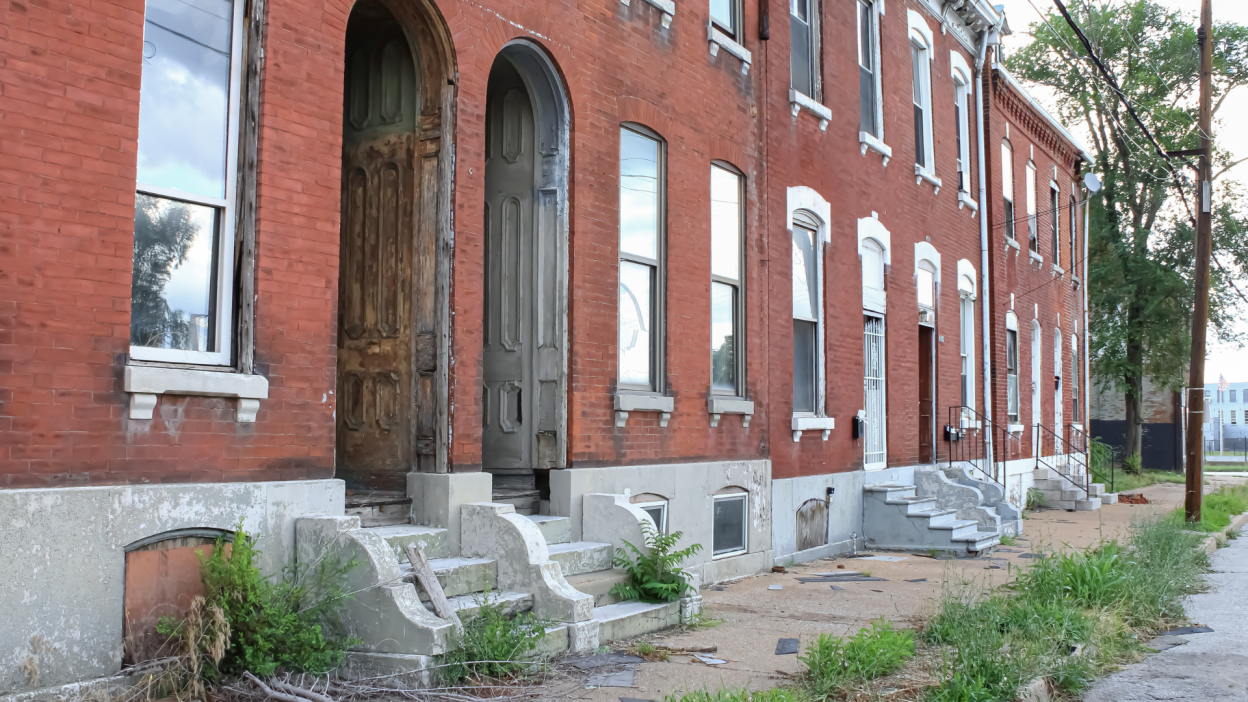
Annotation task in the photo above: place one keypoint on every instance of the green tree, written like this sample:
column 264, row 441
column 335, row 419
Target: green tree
column 1141, row 239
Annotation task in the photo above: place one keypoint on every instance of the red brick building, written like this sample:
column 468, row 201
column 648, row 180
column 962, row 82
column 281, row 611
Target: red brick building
column 724, row 259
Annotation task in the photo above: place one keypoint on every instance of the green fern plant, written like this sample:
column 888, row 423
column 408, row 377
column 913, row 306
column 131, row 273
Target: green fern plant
column 655, row 576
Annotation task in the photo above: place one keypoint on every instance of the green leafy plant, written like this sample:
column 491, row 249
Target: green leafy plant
column 833, row 662
column 1217, row 509
column 291, row 624
column 494, row 644
column 1035, row 498
column 1007, row 540
column 1133, row 464
column 654, row 575
column 775, row 694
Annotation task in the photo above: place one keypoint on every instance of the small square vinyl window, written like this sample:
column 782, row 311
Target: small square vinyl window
column 657, row 512
column 729, row 525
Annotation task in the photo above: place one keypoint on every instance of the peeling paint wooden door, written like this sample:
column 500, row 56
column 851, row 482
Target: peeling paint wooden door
column 812, row 524
column 522, row 340
column 927, row 420
column 386, row 340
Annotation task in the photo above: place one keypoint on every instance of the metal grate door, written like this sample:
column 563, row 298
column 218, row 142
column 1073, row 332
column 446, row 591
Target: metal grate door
column 875, row 442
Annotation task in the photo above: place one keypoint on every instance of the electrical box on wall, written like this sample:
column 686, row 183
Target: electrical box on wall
column 858, row 425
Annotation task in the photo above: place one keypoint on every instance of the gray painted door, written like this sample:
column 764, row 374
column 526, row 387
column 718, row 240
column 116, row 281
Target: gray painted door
column 523, row 356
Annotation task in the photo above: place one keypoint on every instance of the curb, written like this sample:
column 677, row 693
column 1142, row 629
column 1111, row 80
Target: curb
column 1210, row 544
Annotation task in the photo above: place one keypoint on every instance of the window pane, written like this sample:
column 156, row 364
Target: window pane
column 725, row 223
column 866, row 101
column 927, row 288
column 800, row 51
column 805, row 296
column 729, row 525
column 184, row 98
column 1009, row 219
column 723, row 338
column 659, row 514
column 865, row 54
column 636, row 339
column 957, row 131
column 1056, row 219
column 1011, row 351
column 1007, row 171
column 805, row 355
column 800, row 9
column 639, row 194
column 872, row 266
column 917, row 57
column 722, row 14
column 171, row 303
column 1033, row 238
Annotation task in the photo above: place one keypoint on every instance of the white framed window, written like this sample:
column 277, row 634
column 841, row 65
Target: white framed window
column 927, row 281
column 729, row 525
column 962, row 81
column 1233, row 417
column 642, row 217
column 1033, row 232
column 182, row 289
column 726, row 17
column 1011, row 367
column 1076, row 405
column 874, row 393
column 1072, row 210
column 926, row 286
column 966, row 343
column 804, row 48
column 807, row 314
column 657, row 511
column 1007, row 188
column 1055, row 211
column 727, row 298
column 921, row 92
column 870, row 108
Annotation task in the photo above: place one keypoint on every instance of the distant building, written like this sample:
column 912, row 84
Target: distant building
column 1163, row 423
column 1226, row 412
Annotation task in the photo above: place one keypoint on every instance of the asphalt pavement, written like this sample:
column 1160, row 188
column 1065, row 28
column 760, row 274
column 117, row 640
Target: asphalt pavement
column 1207, row 667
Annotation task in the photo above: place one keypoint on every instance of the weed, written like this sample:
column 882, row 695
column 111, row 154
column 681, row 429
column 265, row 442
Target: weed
column 654, row 575
column 833, row 662
column 1008, row 540
column 776, row 694
column 1126, row 483
column 248, row 622
column 1035, row 499
column 647, row 651
column 1133, row 464
column 1217, row 509
column 494, row 645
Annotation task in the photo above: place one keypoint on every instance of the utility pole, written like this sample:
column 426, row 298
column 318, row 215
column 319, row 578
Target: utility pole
column 1204, row 248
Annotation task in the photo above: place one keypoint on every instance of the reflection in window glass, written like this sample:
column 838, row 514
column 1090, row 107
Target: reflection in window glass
column 172, row 286
column 184, row 98
column 729, row 525
column 801, row 48
column 725, row 224
column 866, row 70
column 636, row 292
column 639, row 194
column 805, row 340
column 723, row 335
column 804, row 294
column 927, row 287
column 918, row 58
column 1011, row 374
column 723, row 13
column 805, row 320
column 1007, row 186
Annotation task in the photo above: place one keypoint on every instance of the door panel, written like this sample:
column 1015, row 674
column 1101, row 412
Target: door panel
column 926, row 429
column 875, row 443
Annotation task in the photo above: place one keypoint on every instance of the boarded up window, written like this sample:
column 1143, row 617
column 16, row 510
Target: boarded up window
column 812, row 524
column 161, row 580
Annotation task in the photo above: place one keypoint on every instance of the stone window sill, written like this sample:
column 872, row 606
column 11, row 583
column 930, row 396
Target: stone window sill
column 667, row 7
column 1074, row 279
column 868, row 141
column 921, row 174
column 1058, row 270
column 1012, row 242
column 719, row 40
column 1015, row 428
column 1036, row 257
column 800, row 101
column 643, row 402
column 965, row 200
column 717, row 406
column 144, row 383
column 811, row 423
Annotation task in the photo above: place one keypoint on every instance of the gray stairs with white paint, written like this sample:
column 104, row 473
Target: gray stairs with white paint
column 1062, row 493
column 895, row 517
column 992, row 495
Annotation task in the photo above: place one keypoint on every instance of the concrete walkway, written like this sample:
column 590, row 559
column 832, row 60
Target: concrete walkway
column 1209, row 667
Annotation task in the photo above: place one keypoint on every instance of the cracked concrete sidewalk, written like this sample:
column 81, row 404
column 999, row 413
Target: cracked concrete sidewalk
column 756, row 617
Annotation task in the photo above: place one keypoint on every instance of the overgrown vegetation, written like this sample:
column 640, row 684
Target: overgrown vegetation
column 775, row 694
column 1128, row 483
column 1216, row 509
column 1008, row 540
column 1096, row 603
column 833, row 662
column 654, row 574
column 1133, row 464
column 494, row 645
column 1035, row 499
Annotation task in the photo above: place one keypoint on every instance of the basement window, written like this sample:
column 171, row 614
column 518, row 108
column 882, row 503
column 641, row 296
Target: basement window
column 657, row 512
column 729, row 538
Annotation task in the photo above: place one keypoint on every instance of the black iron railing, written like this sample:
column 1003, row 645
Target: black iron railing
column 1098, row 460
column 1058, row 458
column 971, row 438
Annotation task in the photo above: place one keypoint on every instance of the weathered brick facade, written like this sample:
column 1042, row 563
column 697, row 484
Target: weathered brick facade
column 68, row 144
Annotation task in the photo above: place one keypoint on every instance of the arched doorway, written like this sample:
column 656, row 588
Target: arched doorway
column 395, row 203
column 524, row 344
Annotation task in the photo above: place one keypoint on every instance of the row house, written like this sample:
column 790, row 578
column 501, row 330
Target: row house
column 514, row 282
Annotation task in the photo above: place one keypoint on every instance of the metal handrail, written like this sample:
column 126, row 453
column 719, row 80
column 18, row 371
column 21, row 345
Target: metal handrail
column 1041, row 432
column 1075, row 433
column 975, row 451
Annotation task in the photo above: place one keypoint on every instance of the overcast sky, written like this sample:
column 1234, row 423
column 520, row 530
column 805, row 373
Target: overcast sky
column 1222, row 359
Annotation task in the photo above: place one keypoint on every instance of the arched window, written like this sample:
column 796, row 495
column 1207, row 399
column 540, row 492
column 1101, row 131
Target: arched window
column 642, row 218
column 807, row 310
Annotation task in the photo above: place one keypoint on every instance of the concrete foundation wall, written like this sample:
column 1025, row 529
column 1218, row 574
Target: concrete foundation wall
column 64, row 550
column 844, row 514
column 689, row 489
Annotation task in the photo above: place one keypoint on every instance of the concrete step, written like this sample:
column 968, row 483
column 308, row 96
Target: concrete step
column 379, row 507
column 525, row 500
column 914, row 505
column 981, row 542
column 1096, row 490
column 627, row 620
column 579, row 557
column 892, row 490
column 458, row 576
column 959, row 529
column 894, row 521
column 510, row 601
column 1109, row 498
column 433, row 541
column 1088, row 505
column 557, row 530
column 598, row 584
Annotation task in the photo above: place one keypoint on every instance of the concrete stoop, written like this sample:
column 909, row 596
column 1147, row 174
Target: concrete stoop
column 992, row 495
column 1060, row 493
column 894, row 517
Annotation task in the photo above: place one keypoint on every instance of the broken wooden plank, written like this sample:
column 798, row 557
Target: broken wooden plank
column 429, row 581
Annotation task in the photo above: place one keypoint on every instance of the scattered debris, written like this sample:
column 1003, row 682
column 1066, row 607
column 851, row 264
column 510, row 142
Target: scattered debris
column 634, row 699
column 877, row 591
column 1133, row 499
column 917, row 580
column 837, row 587
column 598, row 660
column 1165, row 643
column 890, row 559
column 1032, row 555
column 841, row 565
column 708, row 660
column 847, row 578
column 1183, row 630
column 777, row 569
column 688, row 649
column 785, row 647
column 775, row 587
column 620, row 678
column 992, row 567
